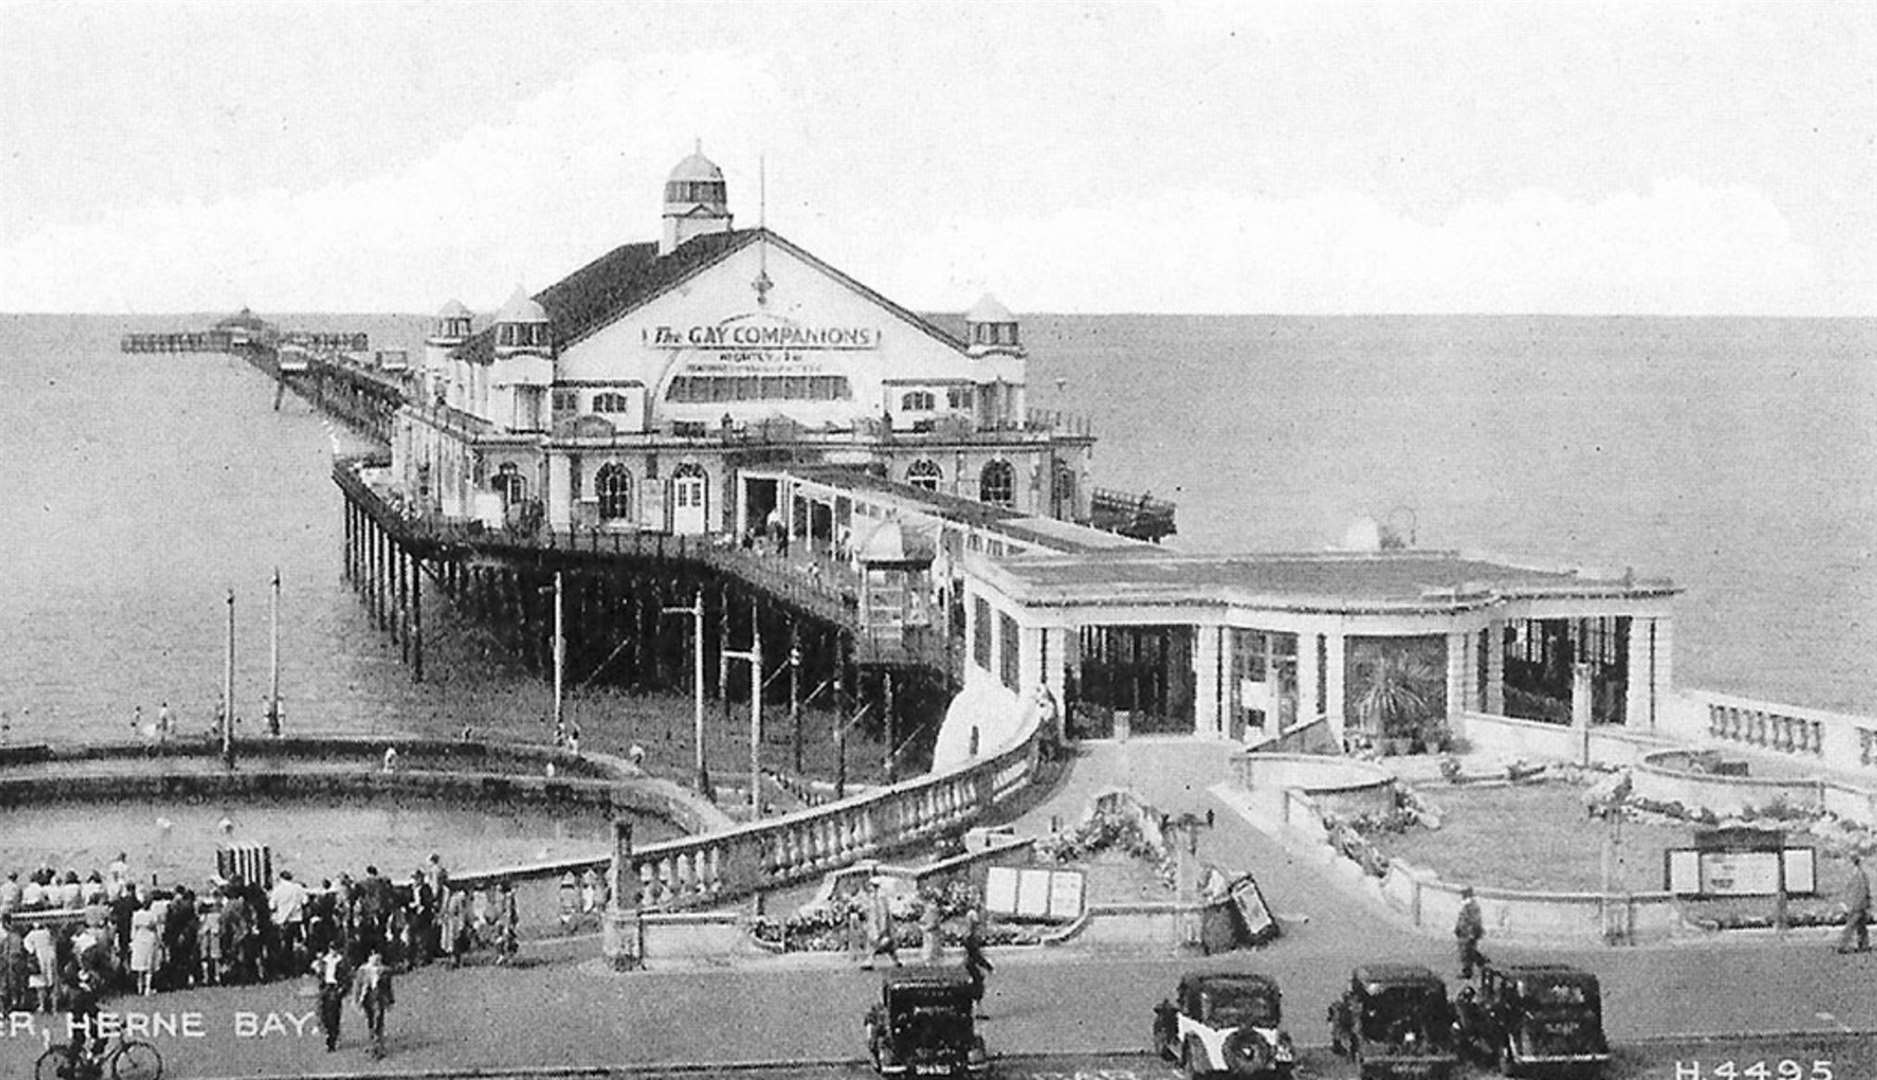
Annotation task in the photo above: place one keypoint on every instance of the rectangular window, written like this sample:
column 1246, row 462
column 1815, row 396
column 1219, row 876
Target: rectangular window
column 1007, row 661
column 981, row 633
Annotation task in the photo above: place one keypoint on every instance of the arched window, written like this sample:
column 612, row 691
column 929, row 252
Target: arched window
column 997, row 484
column 508, row 480
column 614, row 487
column 1065, row 490
column 924, row 474
column 611, row 402
column 917, row 401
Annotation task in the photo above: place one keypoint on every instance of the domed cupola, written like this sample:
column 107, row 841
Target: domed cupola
column 452, row 325
column 522, row 326
column 991, row 328
column 696, row 201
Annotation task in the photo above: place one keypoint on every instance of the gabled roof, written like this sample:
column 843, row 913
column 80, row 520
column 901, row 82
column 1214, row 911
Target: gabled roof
column 627, row 277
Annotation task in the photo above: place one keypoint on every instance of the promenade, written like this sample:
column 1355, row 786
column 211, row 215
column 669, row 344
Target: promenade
column 560, row 1008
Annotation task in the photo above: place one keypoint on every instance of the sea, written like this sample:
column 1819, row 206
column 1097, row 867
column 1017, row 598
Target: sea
column 1737, row 457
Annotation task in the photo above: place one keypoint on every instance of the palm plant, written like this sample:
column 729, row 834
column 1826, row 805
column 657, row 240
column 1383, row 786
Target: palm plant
column 1400, row 694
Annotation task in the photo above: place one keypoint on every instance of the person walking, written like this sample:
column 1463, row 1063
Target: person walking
column 879, row 922
column 1468, row 929
column 15, row 966
column 1856, row 910
column 930, row 920
column 333, row 975
column 376, row 998
column 42, row 972
column 457, row 926
column 977, row 965
column 508, row 925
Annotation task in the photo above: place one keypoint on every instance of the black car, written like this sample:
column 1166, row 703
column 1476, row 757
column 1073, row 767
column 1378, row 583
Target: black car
column 1535, row 1018
column 1395, row 1021
column 925, row 1024
column 1225, row 1023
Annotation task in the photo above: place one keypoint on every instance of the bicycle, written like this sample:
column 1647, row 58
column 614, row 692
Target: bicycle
column 121, row 1059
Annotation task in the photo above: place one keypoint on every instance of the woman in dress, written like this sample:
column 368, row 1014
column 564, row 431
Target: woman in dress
column 143, row 945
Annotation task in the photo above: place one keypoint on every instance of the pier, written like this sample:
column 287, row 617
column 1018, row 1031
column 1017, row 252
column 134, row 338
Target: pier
column 630, row 605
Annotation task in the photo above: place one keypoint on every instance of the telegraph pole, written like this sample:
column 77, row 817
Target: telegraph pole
column 273, row 692
column 754, row 657
column 696, row 611
column 560, row 653
column 228, row 689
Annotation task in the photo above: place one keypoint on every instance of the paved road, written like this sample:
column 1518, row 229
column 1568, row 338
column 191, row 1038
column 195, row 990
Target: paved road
column 572, row 1014
column 1830, row 1058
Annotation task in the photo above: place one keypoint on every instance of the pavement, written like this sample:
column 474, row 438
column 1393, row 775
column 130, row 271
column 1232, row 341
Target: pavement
column 560, row 1011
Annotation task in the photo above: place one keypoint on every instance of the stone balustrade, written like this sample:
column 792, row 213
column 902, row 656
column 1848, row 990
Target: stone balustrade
column 1839, row 740
column 697, row 871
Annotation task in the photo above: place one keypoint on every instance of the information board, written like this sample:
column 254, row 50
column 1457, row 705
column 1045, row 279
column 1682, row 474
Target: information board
column 1034, row 893
column 1694, row 872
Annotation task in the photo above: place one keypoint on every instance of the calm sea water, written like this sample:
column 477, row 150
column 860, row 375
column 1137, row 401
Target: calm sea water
column 1735, row 456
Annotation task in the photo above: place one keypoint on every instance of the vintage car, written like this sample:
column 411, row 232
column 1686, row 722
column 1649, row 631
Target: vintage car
column 1225, row 1023
column 925, row 1024
column 1534, row 1018
column 1395, row 1021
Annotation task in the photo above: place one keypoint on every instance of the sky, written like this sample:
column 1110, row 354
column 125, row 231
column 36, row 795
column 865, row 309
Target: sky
column 1567, row 158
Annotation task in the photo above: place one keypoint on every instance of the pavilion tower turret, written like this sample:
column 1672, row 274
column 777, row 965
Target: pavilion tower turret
column 696, row 202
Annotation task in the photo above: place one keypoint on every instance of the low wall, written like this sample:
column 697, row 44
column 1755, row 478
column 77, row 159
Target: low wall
column 1512, row 737
column 1337, row 785
column 1670, row 776
column 1580, row 918
column 428, row 768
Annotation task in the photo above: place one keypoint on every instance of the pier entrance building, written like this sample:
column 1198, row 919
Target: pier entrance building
column 634, row 393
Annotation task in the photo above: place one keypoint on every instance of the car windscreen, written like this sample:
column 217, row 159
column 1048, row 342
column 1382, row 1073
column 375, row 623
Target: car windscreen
column 1237, row 1006
column 933, row 1026
column 1393, row 1014
column 1547, row 995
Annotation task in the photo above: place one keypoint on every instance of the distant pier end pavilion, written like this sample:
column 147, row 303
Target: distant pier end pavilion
column 631, row 394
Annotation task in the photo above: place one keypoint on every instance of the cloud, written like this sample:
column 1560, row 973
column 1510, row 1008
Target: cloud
column 526, row 197
column 1681, row 248
column 567, row 174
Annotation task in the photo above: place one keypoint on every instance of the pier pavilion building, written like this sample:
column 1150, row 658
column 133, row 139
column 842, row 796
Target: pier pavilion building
column 1314, row 650
column 631, row 394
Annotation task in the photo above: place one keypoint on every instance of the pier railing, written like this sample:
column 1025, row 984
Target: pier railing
column 828, row 595
column 699, row 871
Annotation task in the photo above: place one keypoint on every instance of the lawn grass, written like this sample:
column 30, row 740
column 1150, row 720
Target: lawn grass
column 1539, row 837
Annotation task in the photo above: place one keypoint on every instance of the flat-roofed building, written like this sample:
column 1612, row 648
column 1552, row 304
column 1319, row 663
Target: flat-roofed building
column 1319, row 649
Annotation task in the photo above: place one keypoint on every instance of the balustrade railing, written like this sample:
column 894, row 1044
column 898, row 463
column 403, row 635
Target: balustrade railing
column 702, row 870
column 1834, row 738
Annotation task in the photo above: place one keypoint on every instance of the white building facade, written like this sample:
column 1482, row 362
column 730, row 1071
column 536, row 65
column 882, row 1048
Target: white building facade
column 629, row 395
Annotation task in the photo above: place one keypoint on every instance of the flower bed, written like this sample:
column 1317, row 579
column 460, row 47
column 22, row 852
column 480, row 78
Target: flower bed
column 836, row 927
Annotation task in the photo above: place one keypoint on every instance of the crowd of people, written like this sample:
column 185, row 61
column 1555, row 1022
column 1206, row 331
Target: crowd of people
column 60, row 932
